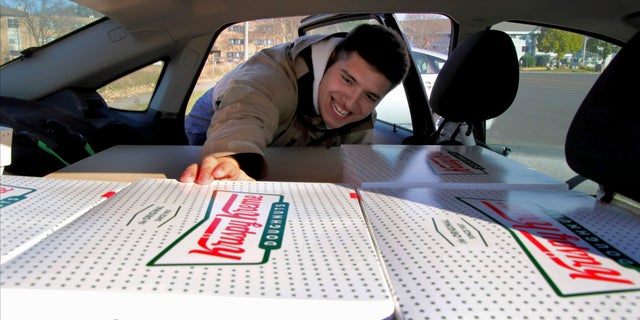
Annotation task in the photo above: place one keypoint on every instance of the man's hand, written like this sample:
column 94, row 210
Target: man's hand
column 211, row 169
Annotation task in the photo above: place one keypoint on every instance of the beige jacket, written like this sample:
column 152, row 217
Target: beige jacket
column 257, row 105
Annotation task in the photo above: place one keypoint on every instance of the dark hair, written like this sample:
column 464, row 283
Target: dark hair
column 381, row 47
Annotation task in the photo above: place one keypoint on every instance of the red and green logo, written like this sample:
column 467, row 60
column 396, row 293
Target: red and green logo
column 238, row 228
column 573, row 259
column 12, row 194
column 450, row 162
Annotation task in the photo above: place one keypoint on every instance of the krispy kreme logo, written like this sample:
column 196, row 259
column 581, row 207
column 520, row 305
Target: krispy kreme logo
column 239, row 228
column 12, row 194
column 451, row 162
column 574, row 260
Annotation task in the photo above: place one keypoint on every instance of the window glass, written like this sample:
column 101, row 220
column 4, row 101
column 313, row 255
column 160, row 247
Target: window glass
column 555, row 76
column 34, row 23
column 234, row 45
column 427, row 64
column 133, row 92
column 343, row 26
column 428, row 34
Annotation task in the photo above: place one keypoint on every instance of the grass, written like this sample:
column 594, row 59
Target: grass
column 133, row 91
column 192, row 100
column 561, row 70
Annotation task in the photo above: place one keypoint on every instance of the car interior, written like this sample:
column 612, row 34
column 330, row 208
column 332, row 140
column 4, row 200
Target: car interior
column 603, row 117
column 419, row 224
column 61, row 119
column 487, row 98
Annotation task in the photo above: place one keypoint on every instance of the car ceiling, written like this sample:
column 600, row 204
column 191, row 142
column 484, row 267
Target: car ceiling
column 614, row 19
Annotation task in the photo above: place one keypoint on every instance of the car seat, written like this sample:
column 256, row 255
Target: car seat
column 478, row 82
column 603, row 140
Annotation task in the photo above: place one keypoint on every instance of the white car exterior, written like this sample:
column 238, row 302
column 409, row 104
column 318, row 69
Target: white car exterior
column 394, row 108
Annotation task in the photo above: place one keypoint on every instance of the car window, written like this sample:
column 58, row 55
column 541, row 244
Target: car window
column 555, row 76
column 133, row 91
column 427, row 64
column 428, row 34
column 239, row 42
column 345, row 26
column 34, row 23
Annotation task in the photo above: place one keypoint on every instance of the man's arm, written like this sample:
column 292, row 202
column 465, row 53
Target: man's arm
column 251, row 102
column 211, row 169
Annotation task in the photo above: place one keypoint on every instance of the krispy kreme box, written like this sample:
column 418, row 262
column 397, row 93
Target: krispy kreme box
column 404, row 166
column 32, row 208
column 160, row 249
column 506, row 254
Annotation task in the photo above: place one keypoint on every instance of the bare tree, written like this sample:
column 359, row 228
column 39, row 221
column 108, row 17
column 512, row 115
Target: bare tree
column 286, row 29
column 425, row 30
column 44, row 19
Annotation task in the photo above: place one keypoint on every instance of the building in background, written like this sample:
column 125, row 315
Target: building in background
column 20, row 29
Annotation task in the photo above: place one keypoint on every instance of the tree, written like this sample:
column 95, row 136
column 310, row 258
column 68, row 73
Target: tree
column 601, row 47
column 558, row 41
column 286, row 29
column 424, row 30
column 82, row 11
column 45, row 19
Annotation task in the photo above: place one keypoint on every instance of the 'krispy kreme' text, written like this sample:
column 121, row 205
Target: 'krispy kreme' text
column 237, row 224
column 564, row 250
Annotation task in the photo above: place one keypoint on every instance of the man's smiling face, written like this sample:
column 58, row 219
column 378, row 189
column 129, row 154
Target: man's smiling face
column 349, row 90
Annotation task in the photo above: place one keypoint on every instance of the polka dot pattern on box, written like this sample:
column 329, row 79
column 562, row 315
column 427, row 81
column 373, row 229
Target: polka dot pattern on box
column 437, row 276
column 33, row 208
column 326, row 251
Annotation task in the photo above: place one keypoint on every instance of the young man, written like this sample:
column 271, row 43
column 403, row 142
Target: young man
column 317, row 90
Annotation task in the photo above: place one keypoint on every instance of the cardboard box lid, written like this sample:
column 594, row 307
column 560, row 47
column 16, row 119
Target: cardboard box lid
column 506, row 254
column 239, row 249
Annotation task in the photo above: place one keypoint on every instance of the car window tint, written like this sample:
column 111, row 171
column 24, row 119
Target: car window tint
column 550, row 91
column 133, row 92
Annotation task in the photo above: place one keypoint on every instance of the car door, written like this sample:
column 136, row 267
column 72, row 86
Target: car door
column 428, row 64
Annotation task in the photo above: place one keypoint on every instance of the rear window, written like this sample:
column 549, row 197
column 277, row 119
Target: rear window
column 555, row 76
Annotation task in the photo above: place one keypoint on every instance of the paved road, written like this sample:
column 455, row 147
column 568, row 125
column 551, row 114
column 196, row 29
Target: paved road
column 539, row 119
column 543, row 109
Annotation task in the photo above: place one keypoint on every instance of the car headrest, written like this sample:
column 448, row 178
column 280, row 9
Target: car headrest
column 603, row 140
column 479, row 81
